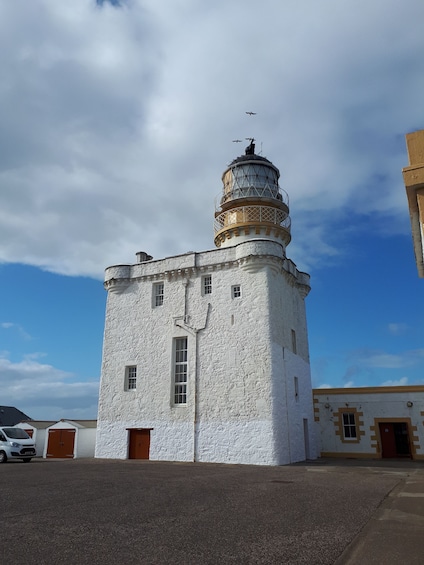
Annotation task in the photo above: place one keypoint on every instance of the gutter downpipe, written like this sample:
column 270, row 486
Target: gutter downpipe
column 287, row 406
column 196, row 384
column 195, row 332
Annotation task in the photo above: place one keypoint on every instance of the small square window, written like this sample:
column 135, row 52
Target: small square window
column 158, row 293
column 236, row 291
column 131, row 377
column 207, row 284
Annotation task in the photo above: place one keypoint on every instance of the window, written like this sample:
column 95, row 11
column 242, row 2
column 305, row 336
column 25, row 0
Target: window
column 349, row 425
column 158, row 294
column 180, row 371
column 131, row 377
column 294, row 344
column 207, row 284
column 296, row 388
column 236, row 291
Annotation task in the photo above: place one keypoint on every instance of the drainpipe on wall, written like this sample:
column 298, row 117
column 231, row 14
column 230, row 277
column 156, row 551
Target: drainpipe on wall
column 195, row 332
column 287, row 406
column 196, row 382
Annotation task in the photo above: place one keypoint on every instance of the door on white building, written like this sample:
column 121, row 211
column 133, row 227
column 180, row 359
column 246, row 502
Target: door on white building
column 61, row 443
column 139, row 443
column 394, row 439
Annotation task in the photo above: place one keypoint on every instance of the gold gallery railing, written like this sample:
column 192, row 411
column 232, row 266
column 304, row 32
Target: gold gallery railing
column 251, row 215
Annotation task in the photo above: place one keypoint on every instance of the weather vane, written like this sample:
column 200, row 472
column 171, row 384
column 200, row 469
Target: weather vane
column 250, row 149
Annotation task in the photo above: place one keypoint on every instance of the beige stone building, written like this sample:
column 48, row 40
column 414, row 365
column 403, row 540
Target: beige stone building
column 413, row 177
column 370, row 422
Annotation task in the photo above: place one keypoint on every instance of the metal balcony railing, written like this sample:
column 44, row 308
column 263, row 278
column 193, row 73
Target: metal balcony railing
column 252, row 215
column 267, row 191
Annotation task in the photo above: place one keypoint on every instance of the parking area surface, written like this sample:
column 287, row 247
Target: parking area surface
column 90, row 511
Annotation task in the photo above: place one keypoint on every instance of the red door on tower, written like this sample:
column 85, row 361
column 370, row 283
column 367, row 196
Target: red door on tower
column 139, row 444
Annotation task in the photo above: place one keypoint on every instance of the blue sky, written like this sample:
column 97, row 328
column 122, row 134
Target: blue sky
column 117, row 123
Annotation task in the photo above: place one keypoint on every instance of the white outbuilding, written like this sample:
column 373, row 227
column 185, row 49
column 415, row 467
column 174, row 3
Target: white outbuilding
column 70, row 439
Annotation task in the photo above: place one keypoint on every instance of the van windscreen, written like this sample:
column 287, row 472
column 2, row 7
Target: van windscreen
column 16, row 433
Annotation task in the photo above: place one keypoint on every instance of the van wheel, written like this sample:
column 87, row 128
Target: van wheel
column 3, row 457
column 27, row 460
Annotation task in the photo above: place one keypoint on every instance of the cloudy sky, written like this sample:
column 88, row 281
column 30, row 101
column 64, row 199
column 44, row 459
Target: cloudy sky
column 117, row 123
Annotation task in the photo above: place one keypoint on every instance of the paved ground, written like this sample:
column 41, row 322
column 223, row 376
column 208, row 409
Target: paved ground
column 90, row 511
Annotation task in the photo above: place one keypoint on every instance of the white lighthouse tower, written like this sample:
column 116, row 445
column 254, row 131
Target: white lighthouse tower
column 205, row 354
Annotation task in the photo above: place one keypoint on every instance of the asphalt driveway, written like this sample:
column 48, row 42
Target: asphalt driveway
column 88, row 511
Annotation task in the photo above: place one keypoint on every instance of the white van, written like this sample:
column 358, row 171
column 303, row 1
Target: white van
column 15, row 443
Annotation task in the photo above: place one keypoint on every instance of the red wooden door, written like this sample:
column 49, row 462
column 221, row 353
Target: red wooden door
column 61, row 444
column 139, row 444
column 388, row 442
column 30, row 432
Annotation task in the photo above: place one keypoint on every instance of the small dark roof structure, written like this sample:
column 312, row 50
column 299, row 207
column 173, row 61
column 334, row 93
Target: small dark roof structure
column 9, row 416
column 251, row 157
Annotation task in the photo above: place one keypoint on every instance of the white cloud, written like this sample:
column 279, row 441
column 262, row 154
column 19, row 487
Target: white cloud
column 117, row 123
column 399, row 382
column 17, row 327
column 387, row 361
column 377, row 359
column 397, row 328
column 45, row 392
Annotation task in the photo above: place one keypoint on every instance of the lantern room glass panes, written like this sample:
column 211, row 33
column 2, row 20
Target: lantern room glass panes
column 251, row 179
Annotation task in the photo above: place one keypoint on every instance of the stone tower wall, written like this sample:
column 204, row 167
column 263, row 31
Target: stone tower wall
column 241, row 405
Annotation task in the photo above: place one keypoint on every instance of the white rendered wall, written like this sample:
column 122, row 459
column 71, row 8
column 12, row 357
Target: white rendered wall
column 238, row 361
column 373, row 405
column 293, row 409
column 85, row 442
column 38, row 435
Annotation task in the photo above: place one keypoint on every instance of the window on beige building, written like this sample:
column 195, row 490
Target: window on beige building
column 349, row 425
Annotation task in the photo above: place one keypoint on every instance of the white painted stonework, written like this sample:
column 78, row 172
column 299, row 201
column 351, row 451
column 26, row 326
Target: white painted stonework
column 242, row 402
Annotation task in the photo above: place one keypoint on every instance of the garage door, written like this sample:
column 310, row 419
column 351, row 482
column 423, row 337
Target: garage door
column 61, row 444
